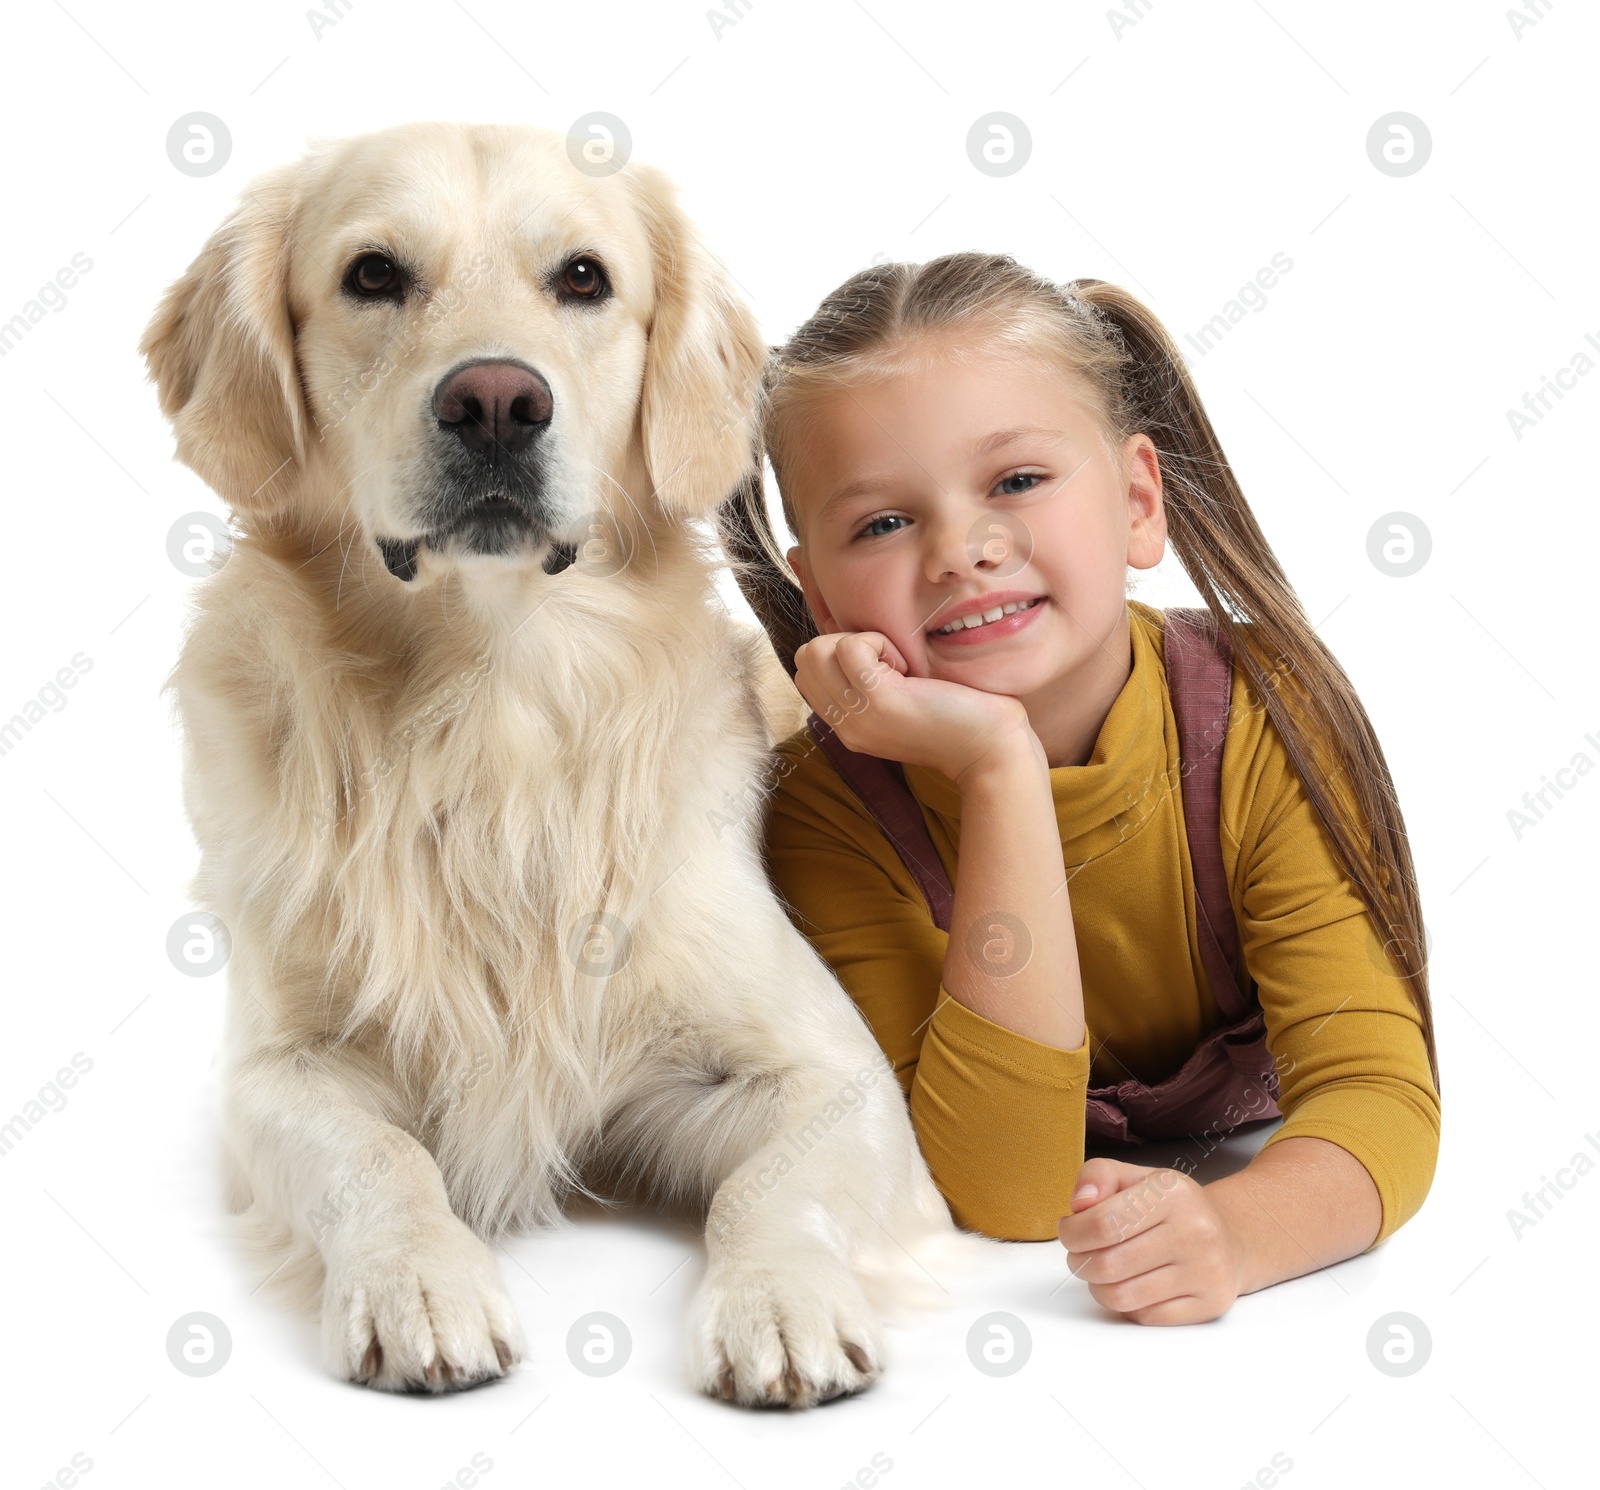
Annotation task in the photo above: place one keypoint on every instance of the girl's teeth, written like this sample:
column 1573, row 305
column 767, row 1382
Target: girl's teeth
column 967, row 623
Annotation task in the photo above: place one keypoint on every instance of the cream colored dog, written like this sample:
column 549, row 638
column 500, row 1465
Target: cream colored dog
column 475, row 760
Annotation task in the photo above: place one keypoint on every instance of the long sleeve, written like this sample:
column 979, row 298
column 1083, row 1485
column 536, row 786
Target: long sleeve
column 1001, row 1121
column 1347, row 1040
column 999, row 1116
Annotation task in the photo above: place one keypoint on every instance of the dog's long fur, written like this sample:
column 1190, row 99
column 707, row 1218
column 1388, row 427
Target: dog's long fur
column 487, row 841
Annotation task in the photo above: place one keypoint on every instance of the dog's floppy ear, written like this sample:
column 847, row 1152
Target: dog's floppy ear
column 702, row 364
column 220, row 350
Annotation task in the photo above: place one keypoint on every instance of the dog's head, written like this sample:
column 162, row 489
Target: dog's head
column 477, row 337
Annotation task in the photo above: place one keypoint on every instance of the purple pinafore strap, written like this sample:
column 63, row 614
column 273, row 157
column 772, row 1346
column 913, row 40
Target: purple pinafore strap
column 1230, row 1080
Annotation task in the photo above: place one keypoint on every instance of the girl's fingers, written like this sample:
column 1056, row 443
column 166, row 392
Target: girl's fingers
column 852, row 667
column 1165, row 1285
column 1129, row 1199
column 863, row 656
column 1123, row 1260
column 882, row 652
column 822, row 680
column 1104, row 1178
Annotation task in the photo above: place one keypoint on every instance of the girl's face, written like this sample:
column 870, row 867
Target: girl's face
column 951, row 489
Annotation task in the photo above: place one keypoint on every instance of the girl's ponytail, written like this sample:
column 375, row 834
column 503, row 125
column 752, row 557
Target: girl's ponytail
column 1317, row 712
column 1112, row 340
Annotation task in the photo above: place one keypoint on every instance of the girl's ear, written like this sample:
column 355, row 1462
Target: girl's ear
column 221, row 351
column 1147, row 513
column 702, row 363
column 819, row 610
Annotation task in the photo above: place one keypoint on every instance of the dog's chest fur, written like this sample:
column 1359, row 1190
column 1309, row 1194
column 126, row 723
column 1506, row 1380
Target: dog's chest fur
column 458, row 877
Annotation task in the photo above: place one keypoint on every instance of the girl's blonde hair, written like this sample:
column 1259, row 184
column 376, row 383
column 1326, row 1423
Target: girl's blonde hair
column 884, row 317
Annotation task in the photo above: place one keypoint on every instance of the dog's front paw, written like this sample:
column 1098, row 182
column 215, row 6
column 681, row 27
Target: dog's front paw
column 425, row 1312
column 784, row 1330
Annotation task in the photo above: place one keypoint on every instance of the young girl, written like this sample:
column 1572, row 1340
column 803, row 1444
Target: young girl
column 964, row 440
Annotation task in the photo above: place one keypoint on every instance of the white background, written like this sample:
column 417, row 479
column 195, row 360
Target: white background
column 1175, row 156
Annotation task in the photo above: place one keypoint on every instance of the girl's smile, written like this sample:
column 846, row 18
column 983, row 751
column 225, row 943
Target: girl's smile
column 988, row 619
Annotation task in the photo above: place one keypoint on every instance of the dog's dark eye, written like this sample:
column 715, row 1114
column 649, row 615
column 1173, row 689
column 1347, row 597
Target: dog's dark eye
column 374, row 276
column 585, row 279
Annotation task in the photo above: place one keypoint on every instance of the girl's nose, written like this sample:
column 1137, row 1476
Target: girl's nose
column 994, row 544
column 945, row 556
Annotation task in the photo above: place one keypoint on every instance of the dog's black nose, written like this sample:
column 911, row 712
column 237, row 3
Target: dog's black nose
column 494, row 406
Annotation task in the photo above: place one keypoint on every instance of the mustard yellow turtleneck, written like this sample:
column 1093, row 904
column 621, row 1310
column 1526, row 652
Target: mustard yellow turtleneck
column 1000, row 1117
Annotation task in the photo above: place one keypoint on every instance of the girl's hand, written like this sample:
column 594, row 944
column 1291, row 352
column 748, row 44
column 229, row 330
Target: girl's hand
column 1151, row 1244
column 858, row 682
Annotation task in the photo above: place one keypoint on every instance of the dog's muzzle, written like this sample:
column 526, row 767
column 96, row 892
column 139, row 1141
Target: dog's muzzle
column 486, row 488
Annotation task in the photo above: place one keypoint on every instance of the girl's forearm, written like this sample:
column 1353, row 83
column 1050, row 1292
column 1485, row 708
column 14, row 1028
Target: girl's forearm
column 1300, row 1205
column 1013, row 955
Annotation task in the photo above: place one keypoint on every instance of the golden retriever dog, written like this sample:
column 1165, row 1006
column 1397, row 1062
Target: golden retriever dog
column 475, row 759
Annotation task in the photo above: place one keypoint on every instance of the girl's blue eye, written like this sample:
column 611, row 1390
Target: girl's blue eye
column 888, row 517
column 1033, row 476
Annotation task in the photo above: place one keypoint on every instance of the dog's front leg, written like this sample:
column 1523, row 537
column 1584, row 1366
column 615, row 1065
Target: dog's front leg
column 829, row 1172
column 411, row 1297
